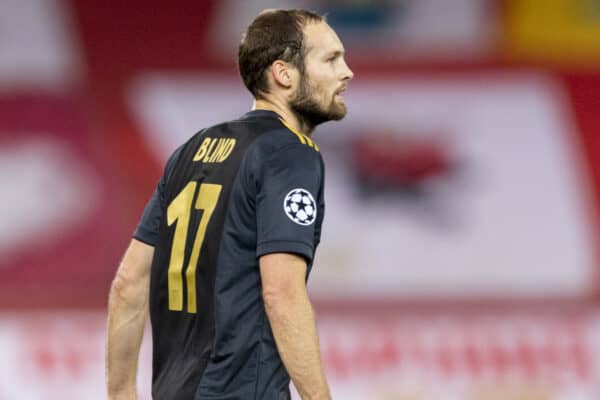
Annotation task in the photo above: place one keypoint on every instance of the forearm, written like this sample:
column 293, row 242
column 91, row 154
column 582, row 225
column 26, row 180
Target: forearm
column 294, row 327
column 127, row 315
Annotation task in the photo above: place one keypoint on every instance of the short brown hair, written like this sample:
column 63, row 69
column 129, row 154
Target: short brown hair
column 273, row 35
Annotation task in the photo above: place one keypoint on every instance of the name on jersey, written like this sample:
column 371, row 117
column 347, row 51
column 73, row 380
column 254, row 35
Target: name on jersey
column 214, row 150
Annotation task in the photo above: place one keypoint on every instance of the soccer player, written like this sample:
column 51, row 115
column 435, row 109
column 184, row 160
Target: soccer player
column 226, row 243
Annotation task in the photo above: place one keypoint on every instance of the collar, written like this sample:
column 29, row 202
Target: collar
column 261, row 114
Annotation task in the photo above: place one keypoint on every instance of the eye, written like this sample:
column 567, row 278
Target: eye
column 334, row 56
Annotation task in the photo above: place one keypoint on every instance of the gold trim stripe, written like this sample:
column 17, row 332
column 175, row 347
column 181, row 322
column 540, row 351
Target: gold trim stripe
column 295, row 132
column 302, row 137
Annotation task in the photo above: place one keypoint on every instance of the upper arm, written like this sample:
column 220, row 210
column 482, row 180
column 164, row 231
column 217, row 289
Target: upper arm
column 282, row 274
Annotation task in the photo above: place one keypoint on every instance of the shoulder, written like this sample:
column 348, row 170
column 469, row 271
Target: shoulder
column 285, row 145
column 285, row 136
column 282, row 150
column 281, row 156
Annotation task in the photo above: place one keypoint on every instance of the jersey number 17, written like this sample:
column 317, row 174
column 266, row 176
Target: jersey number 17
column 178, row 213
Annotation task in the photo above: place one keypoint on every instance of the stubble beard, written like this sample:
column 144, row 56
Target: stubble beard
column 308, row 109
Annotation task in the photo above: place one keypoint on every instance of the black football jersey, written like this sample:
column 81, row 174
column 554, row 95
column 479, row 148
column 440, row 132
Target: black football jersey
column 232, row 193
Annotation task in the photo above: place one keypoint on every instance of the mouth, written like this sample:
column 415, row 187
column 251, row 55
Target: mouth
column 339, row 92
column 342, row 89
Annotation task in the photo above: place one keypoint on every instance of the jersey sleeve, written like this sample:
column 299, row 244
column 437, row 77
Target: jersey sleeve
column 149, row 225
column 288, row 188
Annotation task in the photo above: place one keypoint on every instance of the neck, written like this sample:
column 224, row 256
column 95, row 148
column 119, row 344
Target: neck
column 284, row 111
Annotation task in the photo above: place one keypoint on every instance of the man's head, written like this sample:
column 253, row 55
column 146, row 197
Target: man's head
column 294, row 55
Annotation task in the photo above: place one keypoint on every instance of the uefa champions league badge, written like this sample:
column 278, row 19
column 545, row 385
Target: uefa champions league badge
column 300, row 206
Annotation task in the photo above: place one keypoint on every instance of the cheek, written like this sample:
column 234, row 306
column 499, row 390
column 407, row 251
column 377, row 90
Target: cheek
column 324, row 84
column 324, row 92
column 320, row 76
column 317, row 89
column 319, row 82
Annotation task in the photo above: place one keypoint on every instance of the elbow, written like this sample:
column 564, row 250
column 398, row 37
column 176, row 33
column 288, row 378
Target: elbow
column 276, row 298
column 124, row 288
column 121, row 283
column 273, row 297
column 281, row 297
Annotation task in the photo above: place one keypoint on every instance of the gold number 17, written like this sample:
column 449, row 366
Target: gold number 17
column 179, row 212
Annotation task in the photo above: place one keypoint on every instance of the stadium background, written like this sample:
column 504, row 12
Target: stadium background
column 460, row 249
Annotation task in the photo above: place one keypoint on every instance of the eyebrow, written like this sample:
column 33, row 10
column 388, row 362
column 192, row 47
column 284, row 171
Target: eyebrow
column 336, row 53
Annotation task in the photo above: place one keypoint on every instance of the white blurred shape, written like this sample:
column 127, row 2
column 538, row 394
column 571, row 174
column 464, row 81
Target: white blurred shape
column 46, row 190
column 176, row 104
column 520, row 219
column 38, row 47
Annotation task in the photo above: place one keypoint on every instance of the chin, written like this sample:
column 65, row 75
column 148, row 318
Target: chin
column 338, row 112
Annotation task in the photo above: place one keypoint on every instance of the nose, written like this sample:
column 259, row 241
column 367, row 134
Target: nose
column 348, row 74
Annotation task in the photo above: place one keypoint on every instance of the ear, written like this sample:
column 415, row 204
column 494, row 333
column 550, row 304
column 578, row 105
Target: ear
column 282, row 73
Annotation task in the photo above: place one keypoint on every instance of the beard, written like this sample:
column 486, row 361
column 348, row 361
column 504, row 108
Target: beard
column 307, row 107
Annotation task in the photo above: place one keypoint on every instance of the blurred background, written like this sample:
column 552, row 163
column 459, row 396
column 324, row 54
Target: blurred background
column 460, row 253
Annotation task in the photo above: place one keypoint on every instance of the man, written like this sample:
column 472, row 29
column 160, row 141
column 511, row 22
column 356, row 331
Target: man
column 226, row 243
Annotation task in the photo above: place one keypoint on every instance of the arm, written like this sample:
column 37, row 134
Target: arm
column 293, row 323
column 127, row 314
